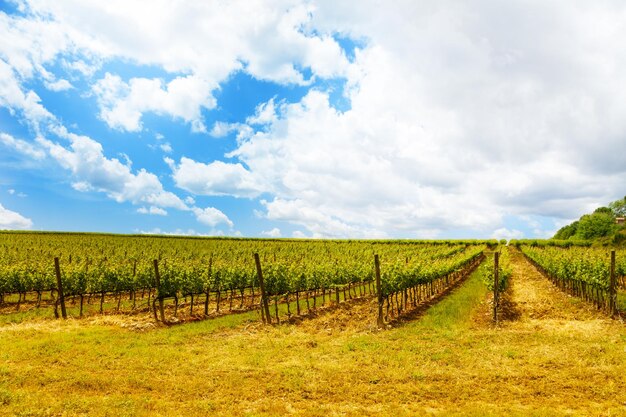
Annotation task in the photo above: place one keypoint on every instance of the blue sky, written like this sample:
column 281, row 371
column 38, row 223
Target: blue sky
column 310, row 118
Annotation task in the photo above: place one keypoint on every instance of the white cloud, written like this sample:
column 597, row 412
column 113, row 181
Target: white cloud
column 11, row 220
column 93, row 171
column 122, row 104
column 152, row 210
column 221, row 129
column 275, row 232
column 81, row 67
column 59, row 85
column 177, row 232
column 454, row 123
column 265, row 113
column 315, row 219
column 29, row 43
column 82, row 186
column 12, row 96
column 211, row 216
column 504, row 233
column 216, row 178
column 205, row 41
column 22, row 146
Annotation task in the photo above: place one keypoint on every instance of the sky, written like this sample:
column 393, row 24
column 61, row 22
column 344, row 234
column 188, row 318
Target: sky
column 324, row 119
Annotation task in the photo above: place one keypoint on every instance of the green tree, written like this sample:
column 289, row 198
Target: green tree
column 605, row 210
column 619, row 207
column 567, row 232
column 592, row 226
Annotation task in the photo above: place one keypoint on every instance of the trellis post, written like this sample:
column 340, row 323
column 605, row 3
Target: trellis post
column 57, row 270
column 265, row 308
column 496, row 285
column 379, row 293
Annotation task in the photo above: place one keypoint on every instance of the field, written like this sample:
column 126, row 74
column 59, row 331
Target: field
column 551, row 354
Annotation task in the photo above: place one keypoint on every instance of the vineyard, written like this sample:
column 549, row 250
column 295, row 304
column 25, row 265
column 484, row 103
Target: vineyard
column 596, row 275
column 214, row 276
column 550, row 346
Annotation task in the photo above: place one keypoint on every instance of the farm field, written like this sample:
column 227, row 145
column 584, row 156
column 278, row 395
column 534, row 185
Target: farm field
column 312, row 208
column 551, row 354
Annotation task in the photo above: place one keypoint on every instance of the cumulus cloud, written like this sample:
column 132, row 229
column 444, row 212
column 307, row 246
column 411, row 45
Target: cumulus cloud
column 95, row 172
column 23, row 147
column 265, row 113
column 11, row 220
column 152, row 210
column 211, row 216
column 92, row 170
column 13, row 97
column 59, row 85
column 217, row 178
column 504, row 233
column 222, row 129
column 81, row 67
column 275, row 232
column 454, row 122
column 205, row 41
column 177, row 232
column 122, row 104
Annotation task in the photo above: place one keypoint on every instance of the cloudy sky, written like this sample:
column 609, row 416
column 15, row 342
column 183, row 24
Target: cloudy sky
column 414, row 119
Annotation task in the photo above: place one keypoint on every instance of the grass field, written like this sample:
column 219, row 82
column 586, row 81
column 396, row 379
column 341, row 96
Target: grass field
column 551, row 355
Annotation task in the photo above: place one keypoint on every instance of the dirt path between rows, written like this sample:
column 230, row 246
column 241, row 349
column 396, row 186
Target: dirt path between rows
column 534, row 301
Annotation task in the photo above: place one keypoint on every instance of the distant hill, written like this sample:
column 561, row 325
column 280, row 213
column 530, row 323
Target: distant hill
column 605, row 224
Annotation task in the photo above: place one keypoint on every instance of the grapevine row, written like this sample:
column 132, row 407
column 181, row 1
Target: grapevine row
column 216, row 269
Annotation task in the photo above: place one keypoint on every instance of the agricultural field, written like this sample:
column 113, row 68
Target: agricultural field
column 438, row 352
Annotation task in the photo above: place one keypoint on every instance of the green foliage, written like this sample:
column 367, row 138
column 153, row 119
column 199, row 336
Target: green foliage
column 114, row 264
column 589, row 265
column 599, row 225
column 619, row 207
column 505, row 270
column 605, row 210
column 567, row 232
column 596, row 225
column 551, row 243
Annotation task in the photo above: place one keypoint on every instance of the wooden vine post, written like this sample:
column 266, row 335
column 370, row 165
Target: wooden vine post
column 208, row 289
column 496, row 285
column 157, row 277
column 57, row 270
column 265, row 308
column 380, row 321
column 612, row 284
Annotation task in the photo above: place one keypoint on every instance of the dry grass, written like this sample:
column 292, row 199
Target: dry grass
column 554, row 356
